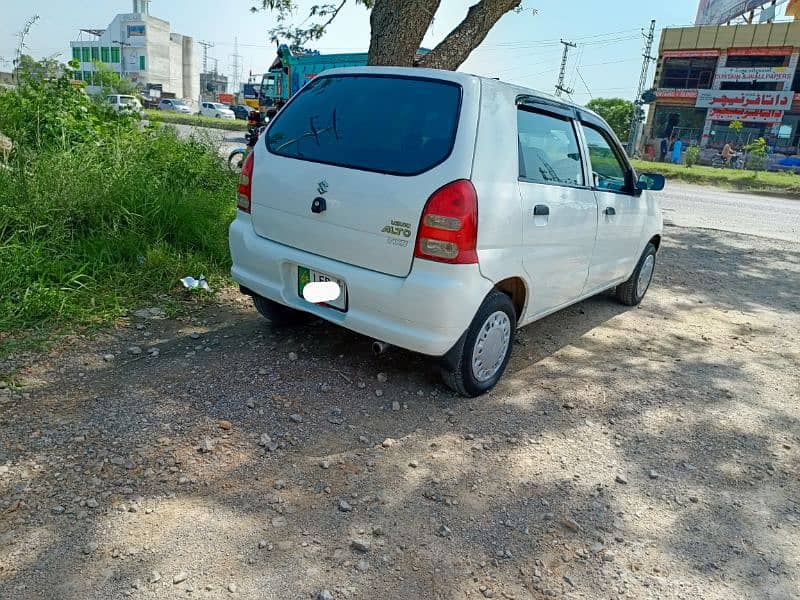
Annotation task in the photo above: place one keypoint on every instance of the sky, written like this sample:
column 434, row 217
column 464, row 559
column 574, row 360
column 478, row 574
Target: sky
column 522, row 48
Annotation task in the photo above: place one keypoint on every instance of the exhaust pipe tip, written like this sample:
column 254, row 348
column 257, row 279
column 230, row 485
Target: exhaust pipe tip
column 379, row 347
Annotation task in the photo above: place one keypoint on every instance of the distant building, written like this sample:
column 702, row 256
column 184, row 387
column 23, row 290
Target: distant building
column 212, row 84
column 709, row 76
column 142, row 49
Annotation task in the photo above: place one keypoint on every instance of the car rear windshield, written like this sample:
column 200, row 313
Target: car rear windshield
column 387, row 124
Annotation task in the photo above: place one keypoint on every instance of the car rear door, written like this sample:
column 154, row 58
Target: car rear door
column 559, row 210
column 346, row 168
column 621, row 212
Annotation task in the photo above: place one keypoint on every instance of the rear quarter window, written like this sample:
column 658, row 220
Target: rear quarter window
column 386, row 124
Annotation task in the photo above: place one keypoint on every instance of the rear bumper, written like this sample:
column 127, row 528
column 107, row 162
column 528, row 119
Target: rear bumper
column 426, row 312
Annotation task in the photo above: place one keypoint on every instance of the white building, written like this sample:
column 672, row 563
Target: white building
column 141, row 48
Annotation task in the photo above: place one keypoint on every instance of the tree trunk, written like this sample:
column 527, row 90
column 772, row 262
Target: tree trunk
column 398, row 27
column 459, row 43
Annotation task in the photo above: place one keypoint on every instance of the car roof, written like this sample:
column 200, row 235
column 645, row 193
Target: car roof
column 463, row 79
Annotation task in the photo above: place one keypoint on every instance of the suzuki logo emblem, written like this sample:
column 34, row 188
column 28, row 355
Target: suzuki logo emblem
column 322, row 187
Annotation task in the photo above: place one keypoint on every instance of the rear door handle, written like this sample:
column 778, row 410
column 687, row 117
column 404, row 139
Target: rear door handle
column 610, row 211
column 541, row 210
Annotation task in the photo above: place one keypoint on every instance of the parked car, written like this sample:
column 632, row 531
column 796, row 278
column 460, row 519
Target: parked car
column 241, row 111
column 445, row 227
column 121, row 102
column 216, row 110
column 174, row 105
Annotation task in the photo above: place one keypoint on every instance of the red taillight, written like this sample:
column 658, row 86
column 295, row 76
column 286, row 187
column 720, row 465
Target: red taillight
column 245, row 185
column 448, row 230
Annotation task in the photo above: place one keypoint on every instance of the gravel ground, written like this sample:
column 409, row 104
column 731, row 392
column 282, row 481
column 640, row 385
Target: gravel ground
column 644, row 453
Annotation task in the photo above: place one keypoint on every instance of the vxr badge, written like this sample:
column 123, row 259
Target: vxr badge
column 322, row 187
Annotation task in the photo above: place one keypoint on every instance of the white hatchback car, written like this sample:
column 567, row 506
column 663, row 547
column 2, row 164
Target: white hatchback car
column 216, row 110
column 449, row 209
column 175, row 105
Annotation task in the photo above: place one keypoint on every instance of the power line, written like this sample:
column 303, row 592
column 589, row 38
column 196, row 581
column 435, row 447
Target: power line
column 588, row 91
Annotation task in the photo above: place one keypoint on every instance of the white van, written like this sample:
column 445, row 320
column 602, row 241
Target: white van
column 450, row 209
column 121, row 102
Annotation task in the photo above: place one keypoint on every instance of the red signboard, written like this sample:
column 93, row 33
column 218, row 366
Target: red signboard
column 782, row 51
column 689, row 53
column 225, row 98
column 746, row 115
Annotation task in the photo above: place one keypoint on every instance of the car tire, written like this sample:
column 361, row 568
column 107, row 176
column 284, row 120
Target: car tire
column 463, row 368
column 278, row 314
column 632, row 291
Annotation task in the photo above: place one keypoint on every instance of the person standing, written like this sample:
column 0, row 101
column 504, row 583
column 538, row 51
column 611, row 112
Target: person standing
column 676, row 152
column 664, row 149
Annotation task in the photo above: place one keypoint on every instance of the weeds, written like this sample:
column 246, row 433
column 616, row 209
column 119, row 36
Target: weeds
column 89, row 229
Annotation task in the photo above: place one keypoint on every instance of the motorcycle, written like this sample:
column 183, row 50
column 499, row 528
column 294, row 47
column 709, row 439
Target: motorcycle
column 237, row 157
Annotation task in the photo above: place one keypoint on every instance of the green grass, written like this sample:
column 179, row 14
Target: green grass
column 89, row 232
column 787, row 184
column 161, row 116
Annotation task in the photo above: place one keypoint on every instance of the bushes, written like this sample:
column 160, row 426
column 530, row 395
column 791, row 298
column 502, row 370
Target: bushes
column 691, row 156
column 96, row 216
column 46, row 113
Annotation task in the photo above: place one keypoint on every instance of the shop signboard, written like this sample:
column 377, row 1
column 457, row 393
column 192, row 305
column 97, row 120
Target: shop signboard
column 746, row 115
column 760, row 74
column 690, row 53
column 662, row 93
column 744, row 100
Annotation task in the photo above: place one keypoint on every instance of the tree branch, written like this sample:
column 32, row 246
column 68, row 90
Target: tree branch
column 468, row 35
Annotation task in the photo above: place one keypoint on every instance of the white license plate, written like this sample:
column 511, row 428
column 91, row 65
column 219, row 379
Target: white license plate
column 306, row 276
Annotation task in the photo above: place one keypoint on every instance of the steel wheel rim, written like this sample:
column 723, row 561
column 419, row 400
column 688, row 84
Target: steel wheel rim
column 491, row 346
column 645, row 275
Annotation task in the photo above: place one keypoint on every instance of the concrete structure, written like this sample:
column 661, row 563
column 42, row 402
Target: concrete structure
column 708, row 77
column 141, row 48
column 212, row 84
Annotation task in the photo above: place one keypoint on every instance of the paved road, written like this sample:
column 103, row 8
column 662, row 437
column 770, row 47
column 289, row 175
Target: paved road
column 715, row 208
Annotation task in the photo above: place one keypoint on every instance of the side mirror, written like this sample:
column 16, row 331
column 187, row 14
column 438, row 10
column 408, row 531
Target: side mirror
column 651, row 181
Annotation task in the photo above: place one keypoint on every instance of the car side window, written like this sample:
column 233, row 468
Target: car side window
column 608, row 170
column 548, row 149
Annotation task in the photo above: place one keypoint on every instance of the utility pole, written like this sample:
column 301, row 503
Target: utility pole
column 122, row 46
column 637, row 102
column 206, row 46
column 236, row 66
column 560, row 85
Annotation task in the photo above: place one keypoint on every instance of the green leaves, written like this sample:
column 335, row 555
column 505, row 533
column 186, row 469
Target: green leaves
column 313, row 25
column 617, row 113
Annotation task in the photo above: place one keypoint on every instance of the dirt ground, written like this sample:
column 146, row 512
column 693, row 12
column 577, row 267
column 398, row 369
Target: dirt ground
column 636, row 453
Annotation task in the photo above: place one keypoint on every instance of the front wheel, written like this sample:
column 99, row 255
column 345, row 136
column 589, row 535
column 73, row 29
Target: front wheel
column 632, row 291
column 236, row 160
column 478, row 360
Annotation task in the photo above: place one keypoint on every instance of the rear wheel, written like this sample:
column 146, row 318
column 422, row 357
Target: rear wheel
column 236, row 160
column 632, row 291
column 478, row 360
column 278, row 314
